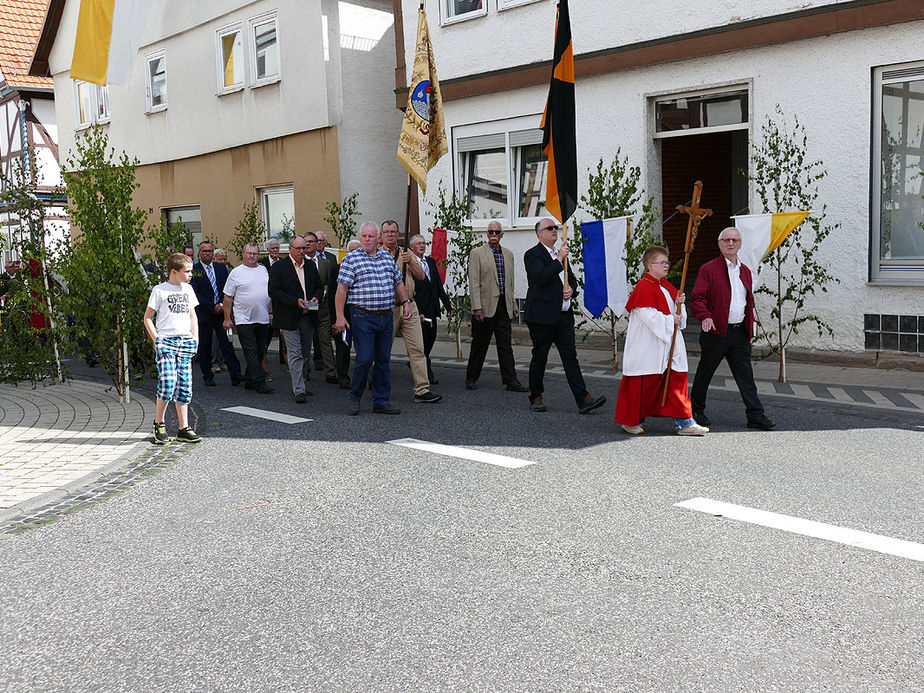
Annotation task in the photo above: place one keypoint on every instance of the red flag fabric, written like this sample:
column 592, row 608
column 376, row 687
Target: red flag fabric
column 438, row 251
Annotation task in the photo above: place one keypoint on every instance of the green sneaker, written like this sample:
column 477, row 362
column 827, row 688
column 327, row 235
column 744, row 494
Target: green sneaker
column 187, row 435
column 160, row 433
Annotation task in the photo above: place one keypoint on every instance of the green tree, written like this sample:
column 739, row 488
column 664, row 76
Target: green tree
column 30, row 335
column 452, row 213
column 785, row 179
column 107, row 286
column 250, row 229
column 613, row 190
column 341, row 217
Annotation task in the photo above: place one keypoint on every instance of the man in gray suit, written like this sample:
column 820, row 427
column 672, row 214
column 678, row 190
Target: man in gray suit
column 490, row 284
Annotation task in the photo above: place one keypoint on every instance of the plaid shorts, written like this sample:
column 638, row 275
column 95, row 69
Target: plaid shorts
column 174, row 368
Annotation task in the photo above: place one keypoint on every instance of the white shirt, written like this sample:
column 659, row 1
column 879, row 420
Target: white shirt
column 648, row 340
column 172, row 304
column 738, row 294
column 248, row 287
column 565, row 302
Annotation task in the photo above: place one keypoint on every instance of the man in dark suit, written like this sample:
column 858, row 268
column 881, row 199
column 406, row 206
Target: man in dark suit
column 323, row 350
column 295, row 289
column 208, row 281
column 550, row 318
column 272, row 257
column 428, row 296
column 722, row 301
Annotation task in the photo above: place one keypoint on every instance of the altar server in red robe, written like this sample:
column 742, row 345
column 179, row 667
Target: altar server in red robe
column 652, row 309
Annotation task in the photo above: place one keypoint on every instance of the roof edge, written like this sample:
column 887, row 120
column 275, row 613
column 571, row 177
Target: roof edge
column 38, row 67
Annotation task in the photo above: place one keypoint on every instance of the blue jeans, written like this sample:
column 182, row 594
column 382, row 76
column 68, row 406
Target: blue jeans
column 372, row 336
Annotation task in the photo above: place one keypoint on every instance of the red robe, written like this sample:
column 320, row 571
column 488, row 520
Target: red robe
column 640, row 395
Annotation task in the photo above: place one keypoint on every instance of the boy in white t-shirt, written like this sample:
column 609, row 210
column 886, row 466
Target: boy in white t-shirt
column 176, row 339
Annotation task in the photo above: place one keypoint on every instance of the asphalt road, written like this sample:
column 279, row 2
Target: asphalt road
column 315, row 556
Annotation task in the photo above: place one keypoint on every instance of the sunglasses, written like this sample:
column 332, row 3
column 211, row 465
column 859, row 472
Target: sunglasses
column 492, row 232
column 550, row 228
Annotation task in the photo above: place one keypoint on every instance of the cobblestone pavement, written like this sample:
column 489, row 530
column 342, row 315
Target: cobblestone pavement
column 56, row 438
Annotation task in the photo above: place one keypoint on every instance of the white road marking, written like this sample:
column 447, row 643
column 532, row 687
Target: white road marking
column 264, row 414
column 809, row 528
column 462, row 453
column 840, row 395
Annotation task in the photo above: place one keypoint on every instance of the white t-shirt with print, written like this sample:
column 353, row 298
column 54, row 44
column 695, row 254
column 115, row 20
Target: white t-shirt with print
column 248, row 287
column 172, row 304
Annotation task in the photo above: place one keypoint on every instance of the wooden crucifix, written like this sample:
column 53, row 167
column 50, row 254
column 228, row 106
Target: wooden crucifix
column 696, row 214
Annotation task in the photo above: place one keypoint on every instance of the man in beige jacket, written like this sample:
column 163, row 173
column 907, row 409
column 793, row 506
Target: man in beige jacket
column 490, row 284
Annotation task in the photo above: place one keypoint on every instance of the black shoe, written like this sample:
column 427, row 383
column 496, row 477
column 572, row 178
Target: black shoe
column 332, row 379
column 517, row 386
column 236, row 380
column 264, row 389
column 160, row 433
column 537, row 405
column 590, row 403
column 471, row 385
column 761, row 422
column 701, row 418
column 354, row 407
column 300, row 398
column 385, row 409
column 187, row 435
column 209, row 383
column 427, row 398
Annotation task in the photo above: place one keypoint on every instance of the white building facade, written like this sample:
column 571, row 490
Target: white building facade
column 683, row 90
column 236, row 102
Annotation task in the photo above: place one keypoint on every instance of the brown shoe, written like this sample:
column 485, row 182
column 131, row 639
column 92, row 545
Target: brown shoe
column 537, row 405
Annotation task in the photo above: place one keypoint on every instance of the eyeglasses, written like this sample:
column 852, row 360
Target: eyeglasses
column 296, row 247
column 729, row 240
column 492, row 232
column 663, row 263
column 553, row 227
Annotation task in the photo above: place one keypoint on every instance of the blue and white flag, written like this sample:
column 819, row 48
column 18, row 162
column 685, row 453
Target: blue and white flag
column 605, row 283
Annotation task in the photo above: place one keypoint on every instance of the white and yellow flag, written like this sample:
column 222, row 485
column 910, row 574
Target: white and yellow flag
column 108, row 37
column 761, row 234
column 423, row 134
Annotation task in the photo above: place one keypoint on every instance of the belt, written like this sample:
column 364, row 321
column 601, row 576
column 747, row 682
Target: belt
column 735, row 325
column 387, row 311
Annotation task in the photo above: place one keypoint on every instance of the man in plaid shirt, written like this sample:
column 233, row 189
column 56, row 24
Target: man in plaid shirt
column 368, row 282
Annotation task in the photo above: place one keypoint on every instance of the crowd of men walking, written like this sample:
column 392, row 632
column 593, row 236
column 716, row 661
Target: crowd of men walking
column 322, row 309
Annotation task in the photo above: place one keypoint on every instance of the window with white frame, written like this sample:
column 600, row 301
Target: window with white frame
column 697, row 113
column 264, row 49
column 190, row 217
column 503, row 170
column 507, row 4
column 155, row 81
column 91, row 103
column 897, row 242
column 452, row 10
column 230, row 58
column 278, row 206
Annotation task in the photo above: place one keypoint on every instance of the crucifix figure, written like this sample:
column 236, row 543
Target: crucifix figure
column 696, row 214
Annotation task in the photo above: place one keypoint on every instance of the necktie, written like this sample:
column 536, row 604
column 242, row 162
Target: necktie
column 211, row 275
column 426, row 267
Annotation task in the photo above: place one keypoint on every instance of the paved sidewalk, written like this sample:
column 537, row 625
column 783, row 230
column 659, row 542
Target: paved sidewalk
column 57, row 438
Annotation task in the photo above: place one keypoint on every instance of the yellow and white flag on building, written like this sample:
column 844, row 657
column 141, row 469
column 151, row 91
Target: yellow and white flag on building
column 761, row 234
column 108, row 37
column 423, row 134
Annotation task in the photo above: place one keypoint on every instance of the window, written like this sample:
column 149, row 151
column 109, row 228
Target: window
column 897, row 244
column 503, row 170
column 278, row 205
column 701, row 113
column 453, row 10
column 91, row 103
column 507, row 4
column 155, row 84
column 265, row 49
column 191, row 219
column 230, row 59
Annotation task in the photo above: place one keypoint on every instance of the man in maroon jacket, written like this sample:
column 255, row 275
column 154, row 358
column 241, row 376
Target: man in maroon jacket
column 722, row 301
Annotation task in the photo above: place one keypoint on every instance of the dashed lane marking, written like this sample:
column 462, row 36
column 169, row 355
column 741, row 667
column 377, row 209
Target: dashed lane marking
column 808, row 528
column 265, row 414
column 462, row 453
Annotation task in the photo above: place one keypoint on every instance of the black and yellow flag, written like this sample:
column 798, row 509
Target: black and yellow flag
column 558, row 129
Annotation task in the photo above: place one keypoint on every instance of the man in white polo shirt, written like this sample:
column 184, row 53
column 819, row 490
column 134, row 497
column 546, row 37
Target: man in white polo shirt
column 246, row 293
